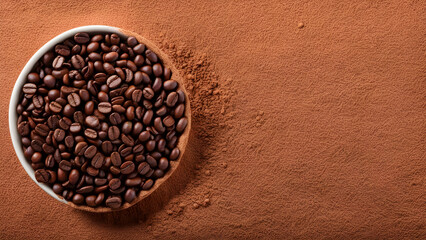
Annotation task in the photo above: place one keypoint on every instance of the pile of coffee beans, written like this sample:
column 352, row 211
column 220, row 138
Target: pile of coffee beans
column 100, row 118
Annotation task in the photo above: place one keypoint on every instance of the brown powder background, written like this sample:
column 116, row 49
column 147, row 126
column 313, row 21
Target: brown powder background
column 312, row 132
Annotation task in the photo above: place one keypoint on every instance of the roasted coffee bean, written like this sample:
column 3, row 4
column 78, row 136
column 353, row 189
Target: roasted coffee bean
column 111, row 56
column 98, row 160
column 59, row 135
column 114, row 184
column 42, row 176
column 74, row 99
column 163, row 164
column 65, row 165
column 85, row 190
column 107, row 147
column 181, row 125
column 92, row 121
column 62, row 50
column 113, row 81
column 113, row 202
column 90, row 133
column 115, row 118
column 113, row 133
column 90, row 152
column 127, row 167
column 80, row 148
column 143, row 168
column 55, row 107
column 78, row 199
column 116, row 159
column 172, row 99
column 42, row 130
column 148, row 93
column 148, row 184
column 174, row 154
column 74, row 176
column 82, row 38
column 104, row 107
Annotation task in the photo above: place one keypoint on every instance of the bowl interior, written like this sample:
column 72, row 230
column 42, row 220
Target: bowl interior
column 13, row 116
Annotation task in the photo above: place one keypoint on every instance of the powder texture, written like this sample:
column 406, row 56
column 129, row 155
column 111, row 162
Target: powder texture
column 308, row 120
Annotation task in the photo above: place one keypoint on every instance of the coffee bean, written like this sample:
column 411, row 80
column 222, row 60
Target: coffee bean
column 62, row 50
column 113, row 133
column 74, row 99
column 80, row 148
column 59, row 135
column 65, row 165
column 82, row 38
column 104, row 107
column 168, row 121
column 107, row 147
column 151, row 56
column 90, row 152
column 111, row 56
column 55, row 107
column 163, row 164
column 181, row 125
column 143, row 168
column 114, row 184
column 174, row 154
column 98, row 160
column 85, row 190
column 113, row 202
column 74, row 176
column 113, row 81
column 148, row 184
column 127, row 167
column 29, row 88
column 42, row 129
column 92, row 121
column 78, row 199
column 148, row 93
column 42, row 176
column 172, row 99
column 158, row 124
column 57, row 62
column 115, row 118
column 90, row 133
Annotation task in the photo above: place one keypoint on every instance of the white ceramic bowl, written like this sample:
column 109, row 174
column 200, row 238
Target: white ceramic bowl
column 13, row 116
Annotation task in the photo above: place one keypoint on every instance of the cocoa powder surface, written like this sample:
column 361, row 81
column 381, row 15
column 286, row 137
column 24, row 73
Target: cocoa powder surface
column 308, row 120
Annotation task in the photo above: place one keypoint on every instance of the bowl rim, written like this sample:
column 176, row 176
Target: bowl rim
column 14, row 99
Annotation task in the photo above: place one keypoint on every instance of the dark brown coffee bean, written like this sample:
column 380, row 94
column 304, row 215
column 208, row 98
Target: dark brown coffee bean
column 168, row 121
column 42, row 129
column 85, row 190
column 57, row 188
column 179, row 111
column 113, row 133
column 113, row 202
column 65, row 165
column 74, row 99
column 114, row 184
column 33, row 78
column 107, row 147
column 147, row 118
column 172, row 99
column 92, row 171
column 113, row 81
column 181, row 95
column 170, row 85
column 130, row 195
column 74, row 176
column 78, row 199
column 90, row 152
column 126, row 151
column 82, row 38
column 98, row 160
column 174, row 154
column 92, row 121
column 75, row 128
column 148, row 184
column 90, row 133
column 128, row 140
column 77, row 62
column 49, row 161
column 55, row 107
column 163, row 164
column 104, row 107
column 127, row 167
column 115, row 118
column 36, row 157
column 111, row 57
column 59, row 135
column 62, row 50
column 65, row 123
column 151, row 56
column 90, row 200
column 157, row 69
column 38, row 101
column 181, row 125
column 57, row 62
column 115, row 159
column 148, row 93
column 143, row 168
column 42, row 176
column 80, row 148
column 100, row 181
